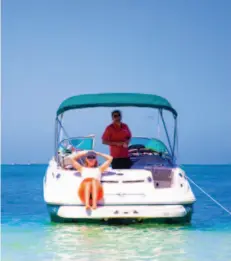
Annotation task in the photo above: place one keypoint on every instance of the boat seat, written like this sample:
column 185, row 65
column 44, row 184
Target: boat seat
column 148, row 160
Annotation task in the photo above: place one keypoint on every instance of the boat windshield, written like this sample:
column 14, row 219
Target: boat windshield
column 79, row 143
column 147, row 152
column 87, row 143
column 148, row 143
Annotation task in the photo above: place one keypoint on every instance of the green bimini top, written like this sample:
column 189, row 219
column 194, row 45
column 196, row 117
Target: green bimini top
column 115, row 100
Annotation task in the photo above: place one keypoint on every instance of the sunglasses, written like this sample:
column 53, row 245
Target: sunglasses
column 116, row 115
column 91, row 157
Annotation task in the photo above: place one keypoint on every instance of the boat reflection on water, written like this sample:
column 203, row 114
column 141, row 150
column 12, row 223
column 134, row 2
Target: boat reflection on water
column 90, row 242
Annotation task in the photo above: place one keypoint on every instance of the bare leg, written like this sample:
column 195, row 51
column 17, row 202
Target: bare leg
column 87, row 195
column 94, row 193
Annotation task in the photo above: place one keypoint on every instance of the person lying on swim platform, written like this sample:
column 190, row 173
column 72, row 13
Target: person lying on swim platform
column 91, row 175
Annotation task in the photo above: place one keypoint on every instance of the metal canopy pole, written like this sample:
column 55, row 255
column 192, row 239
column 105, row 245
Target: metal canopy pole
column 158, row 124
column 58, row 133
column 174, row 137
column 63, row 131
column 166, row 131
column 56, row 137
column 61, row 128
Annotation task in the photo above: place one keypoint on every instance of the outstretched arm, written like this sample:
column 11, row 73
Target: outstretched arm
column 74, row 159
column 107, row 163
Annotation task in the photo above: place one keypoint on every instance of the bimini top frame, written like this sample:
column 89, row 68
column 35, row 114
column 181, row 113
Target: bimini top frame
column 116, row 100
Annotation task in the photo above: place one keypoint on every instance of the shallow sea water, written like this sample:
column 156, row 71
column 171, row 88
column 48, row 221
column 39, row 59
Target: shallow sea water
column 27, row 233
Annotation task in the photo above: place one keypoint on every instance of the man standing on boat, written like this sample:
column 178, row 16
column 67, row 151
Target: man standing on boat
column 117, row 135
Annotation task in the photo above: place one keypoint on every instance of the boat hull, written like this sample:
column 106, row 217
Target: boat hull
column 133, row 195
column 122, row 214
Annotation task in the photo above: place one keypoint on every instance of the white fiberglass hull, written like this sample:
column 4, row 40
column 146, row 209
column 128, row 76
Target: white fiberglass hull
column 135, row 195
column 126, row 212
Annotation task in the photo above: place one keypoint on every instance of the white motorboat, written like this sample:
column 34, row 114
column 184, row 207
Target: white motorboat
column 155, row 188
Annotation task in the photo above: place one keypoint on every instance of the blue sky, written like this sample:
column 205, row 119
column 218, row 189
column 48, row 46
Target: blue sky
column 55, row 49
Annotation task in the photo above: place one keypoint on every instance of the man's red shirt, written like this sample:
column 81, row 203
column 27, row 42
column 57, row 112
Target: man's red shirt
column 117, row 133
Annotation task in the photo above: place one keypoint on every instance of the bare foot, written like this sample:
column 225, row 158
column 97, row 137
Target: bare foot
column 88, row 207
column 94, row 207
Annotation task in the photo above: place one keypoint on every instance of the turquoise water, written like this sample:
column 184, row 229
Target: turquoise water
column 27, row 233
